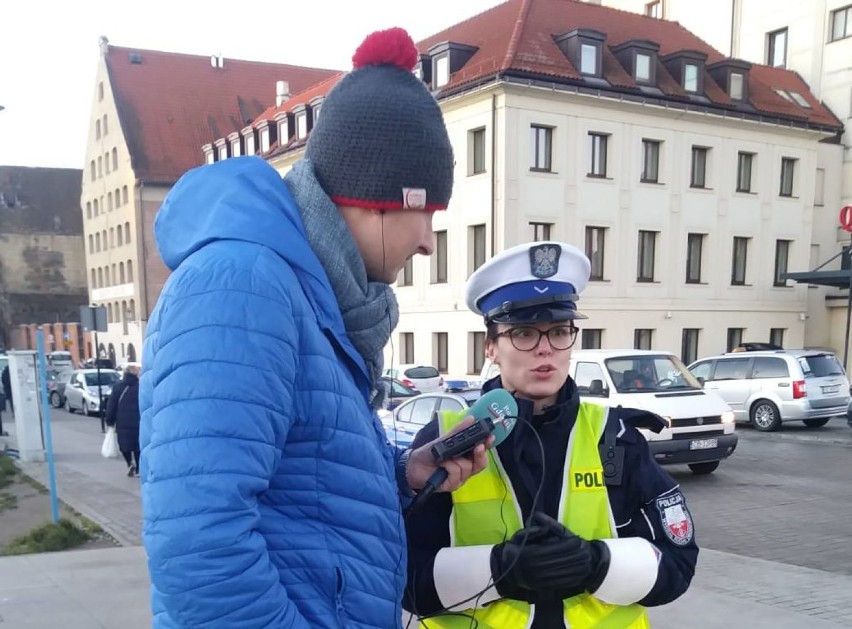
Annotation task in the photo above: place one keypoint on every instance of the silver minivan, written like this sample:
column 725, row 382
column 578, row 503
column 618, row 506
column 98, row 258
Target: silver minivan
column 770, row 387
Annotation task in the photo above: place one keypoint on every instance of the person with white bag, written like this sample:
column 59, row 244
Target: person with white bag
column 122, row 416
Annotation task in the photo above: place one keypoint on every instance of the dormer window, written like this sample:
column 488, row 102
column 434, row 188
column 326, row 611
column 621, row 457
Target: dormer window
column 209, row 155
column 283, row 129
column 583, row 47
column 236, row 149
column 248, row 134
column 423, row 69
column 732, row 76
column 442, row 71
column 639, row 58
column 447, row 58
column 264, row 140
column 221, row 149
column 687, row 67
column 316, row 104
column 690, row 77
column 302, row 125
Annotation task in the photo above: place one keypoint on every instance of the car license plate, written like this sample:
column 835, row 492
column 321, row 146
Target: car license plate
column 703, row 444
column 833, row 389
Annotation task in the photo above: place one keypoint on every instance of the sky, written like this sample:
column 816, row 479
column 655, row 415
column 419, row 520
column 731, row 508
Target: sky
column 49, row 51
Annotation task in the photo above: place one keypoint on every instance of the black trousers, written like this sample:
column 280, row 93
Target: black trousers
column 131, row 457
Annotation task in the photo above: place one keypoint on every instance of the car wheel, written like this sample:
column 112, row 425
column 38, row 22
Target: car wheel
column 704, row 468
column 765, row 416
column 816, row 423
column 55, row 400
column 68, row 406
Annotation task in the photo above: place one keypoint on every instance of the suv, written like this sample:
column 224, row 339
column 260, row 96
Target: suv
column 770, row 387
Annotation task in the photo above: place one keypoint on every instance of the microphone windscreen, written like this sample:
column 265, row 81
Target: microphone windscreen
column 500, row 407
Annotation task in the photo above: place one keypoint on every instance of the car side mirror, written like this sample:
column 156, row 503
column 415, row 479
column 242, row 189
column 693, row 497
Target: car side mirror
column 700, row 380
column 77, row 385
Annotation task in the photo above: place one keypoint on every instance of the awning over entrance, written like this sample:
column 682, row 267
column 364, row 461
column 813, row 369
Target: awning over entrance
column 838, row 279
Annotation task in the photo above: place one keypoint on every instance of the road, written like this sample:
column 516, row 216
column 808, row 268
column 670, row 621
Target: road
column 783, row 496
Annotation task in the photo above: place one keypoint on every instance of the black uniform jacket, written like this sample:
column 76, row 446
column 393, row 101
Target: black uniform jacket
column 634, row 501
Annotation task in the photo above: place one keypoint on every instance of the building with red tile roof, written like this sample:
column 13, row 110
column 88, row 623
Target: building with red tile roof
column 152, row 111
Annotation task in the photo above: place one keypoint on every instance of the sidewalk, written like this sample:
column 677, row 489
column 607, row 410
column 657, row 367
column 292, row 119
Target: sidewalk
column 105, row 589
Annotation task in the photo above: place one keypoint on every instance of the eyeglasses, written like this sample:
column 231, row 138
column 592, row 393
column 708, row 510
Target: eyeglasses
column 527, row 338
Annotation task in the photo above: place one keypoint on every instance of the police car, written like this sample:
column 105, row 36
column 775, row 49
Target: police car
column 404, row 422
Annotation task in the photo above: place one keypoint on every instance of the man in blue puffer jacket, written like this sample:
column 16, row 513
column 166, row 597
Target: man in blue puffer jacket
column 271, row 496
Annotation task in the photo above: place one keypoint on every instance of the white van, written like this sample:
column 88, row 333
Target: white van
column 701, row 425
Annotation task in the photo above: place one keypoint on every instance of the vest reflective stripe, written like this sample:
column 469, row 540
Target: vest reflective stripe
column 584, row 509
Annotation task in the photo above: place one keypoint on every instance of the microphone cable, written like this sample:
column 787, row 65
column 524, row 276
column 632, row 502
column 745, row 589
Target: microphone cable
column 492, row 581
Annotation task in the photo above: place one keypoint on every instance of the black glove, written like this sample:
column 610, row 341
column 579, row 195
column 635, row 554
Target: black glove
column 545, row 561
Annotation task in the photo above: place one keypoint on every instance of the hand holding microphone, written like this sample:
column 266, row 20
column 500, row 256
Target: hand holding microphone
column 446, row 463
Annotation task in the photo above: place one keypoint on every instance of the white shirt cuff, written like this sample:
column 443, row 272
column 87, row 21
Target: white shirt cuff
column 463, row 572
column 633, row 567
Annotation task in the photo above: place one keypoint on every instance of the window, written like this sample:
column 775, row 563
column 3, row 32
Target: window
column 406, row 277
column 406, row 346
column 597, row 154
column 788, row 170
column 647, row 255
column 642, row 338
column 100, row 91
column 744, row 166
column 782, row 256
column 440, row 351
column 236, row 150
column 654, row 9
column 766, row 367
column 643, row 67
column 731, row 369
column 117, row 196
column 91, row 244
column 776, row 336
column 589, row 379
column 736, row 83
column 112, row 239
column 209, row 157
column 105, row 126
column 100, row 166
column 95, row 207
column 106, row 163
column 100, row 277
column 698, row 175
column 98, row 241
column 476, row 151
column 689, row 345
column 650, row 161
column 109, row 200
column 442, row 70
column 735, row 338
column 130, row 272
column 92, row 167
column 439, row 259
column 841, row 23
column 124, row 195
column 819, row 187
column 690, row 77
column 591, row 338
column 540, row 145
column 541, row 231
column 264, row 140
column 301, row 127
column 588, row 59
column 88, row 209
column 595, row 247
column 776, row 54
column 476, row 352
column 127, row 233
column 694, row 247
column 476, row 247
column 97, row 129
column 94, row 279
column 121, row 272
column 740, row 257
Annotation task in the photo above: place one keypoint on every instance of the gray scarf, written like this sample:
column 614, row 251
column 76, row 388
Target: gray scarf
column 369, row 309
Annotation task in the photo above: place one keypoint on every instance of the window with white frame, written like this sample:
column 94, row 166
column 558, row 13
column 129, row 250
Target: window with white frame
column 406, row 346
column 739, row 261
column 745, row 162
column 776, row 48
column 476, row 247
column 476, row 151
column 442, row 70
column 698, row 172
column 643, row 67
column 690, row 77
column 249, row 138
column 264, row 140
column 439, row 258
column 591, row 338
column 589, row 59
column 595, row 250
column 650, row 161
column 302, row 125
column 235, row 148
column 694, row 254
column 782, row 258
column 788, row 173
column 647, row 255
column 541, row 231
column 441, row 351
column 841, row 23
column 541, row 148
column 654, row 8
column 597, row 154
column 736, row 85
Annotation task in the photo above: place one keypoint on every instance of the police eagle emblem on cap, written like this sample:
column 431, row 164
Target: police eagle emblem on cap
column 544, row 260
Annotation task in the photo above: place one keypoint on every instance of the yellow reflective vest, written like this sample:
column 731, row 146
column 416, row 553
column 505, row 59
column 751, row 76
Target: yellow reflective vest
column 485, row 512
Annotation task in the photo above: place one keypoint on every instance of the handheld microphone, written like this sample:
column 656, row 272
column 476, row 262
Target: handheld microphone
column 495, row 413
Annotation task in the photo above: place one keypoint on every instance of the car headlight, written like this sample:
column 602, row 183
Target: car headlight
column 728, row 417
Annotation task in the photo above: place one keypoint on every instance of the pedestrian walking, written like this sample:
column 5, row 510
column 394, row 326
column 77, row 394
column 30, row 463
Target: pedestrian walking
column 122, row 413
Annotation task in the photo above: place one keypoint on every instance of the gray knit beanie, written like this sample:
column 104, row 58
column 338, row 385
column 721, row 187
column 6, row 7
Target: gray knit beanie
column 381, row 142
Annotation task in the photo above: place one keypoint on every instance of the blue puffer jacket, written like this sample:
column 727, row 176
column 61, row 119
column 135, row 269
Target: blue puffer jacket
column 268, row 485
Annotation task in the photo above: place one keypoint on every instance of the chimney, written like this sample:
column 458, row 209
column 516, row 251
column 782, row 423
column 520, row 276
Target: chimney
column 282, row 92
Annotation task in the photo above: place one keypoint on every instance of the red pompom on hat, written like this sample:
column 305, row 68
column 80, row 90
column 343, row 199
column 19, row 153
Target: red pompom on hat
column 381, row 142
column 393, row 46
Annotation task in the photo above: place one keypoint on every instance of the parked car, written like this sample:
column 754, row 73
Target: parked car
column 81, row 389
column 56, row 379
column 771, row 387
column 403, row 423
column 397, row 392
column 424, row 378
column 59, row 360
column 701, row 426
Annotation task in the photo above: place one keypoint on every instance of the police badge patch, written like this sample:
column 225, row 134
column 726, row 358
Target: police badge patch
column 544, row 260
column 675, row 518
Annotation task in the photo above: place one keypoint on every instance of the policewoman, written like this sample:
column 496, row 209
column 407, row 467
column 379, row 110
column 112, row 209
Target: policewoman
column 573, row 523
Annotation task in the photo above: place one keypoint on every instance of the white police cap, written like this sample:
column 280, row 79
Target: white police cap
column 536, row 282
